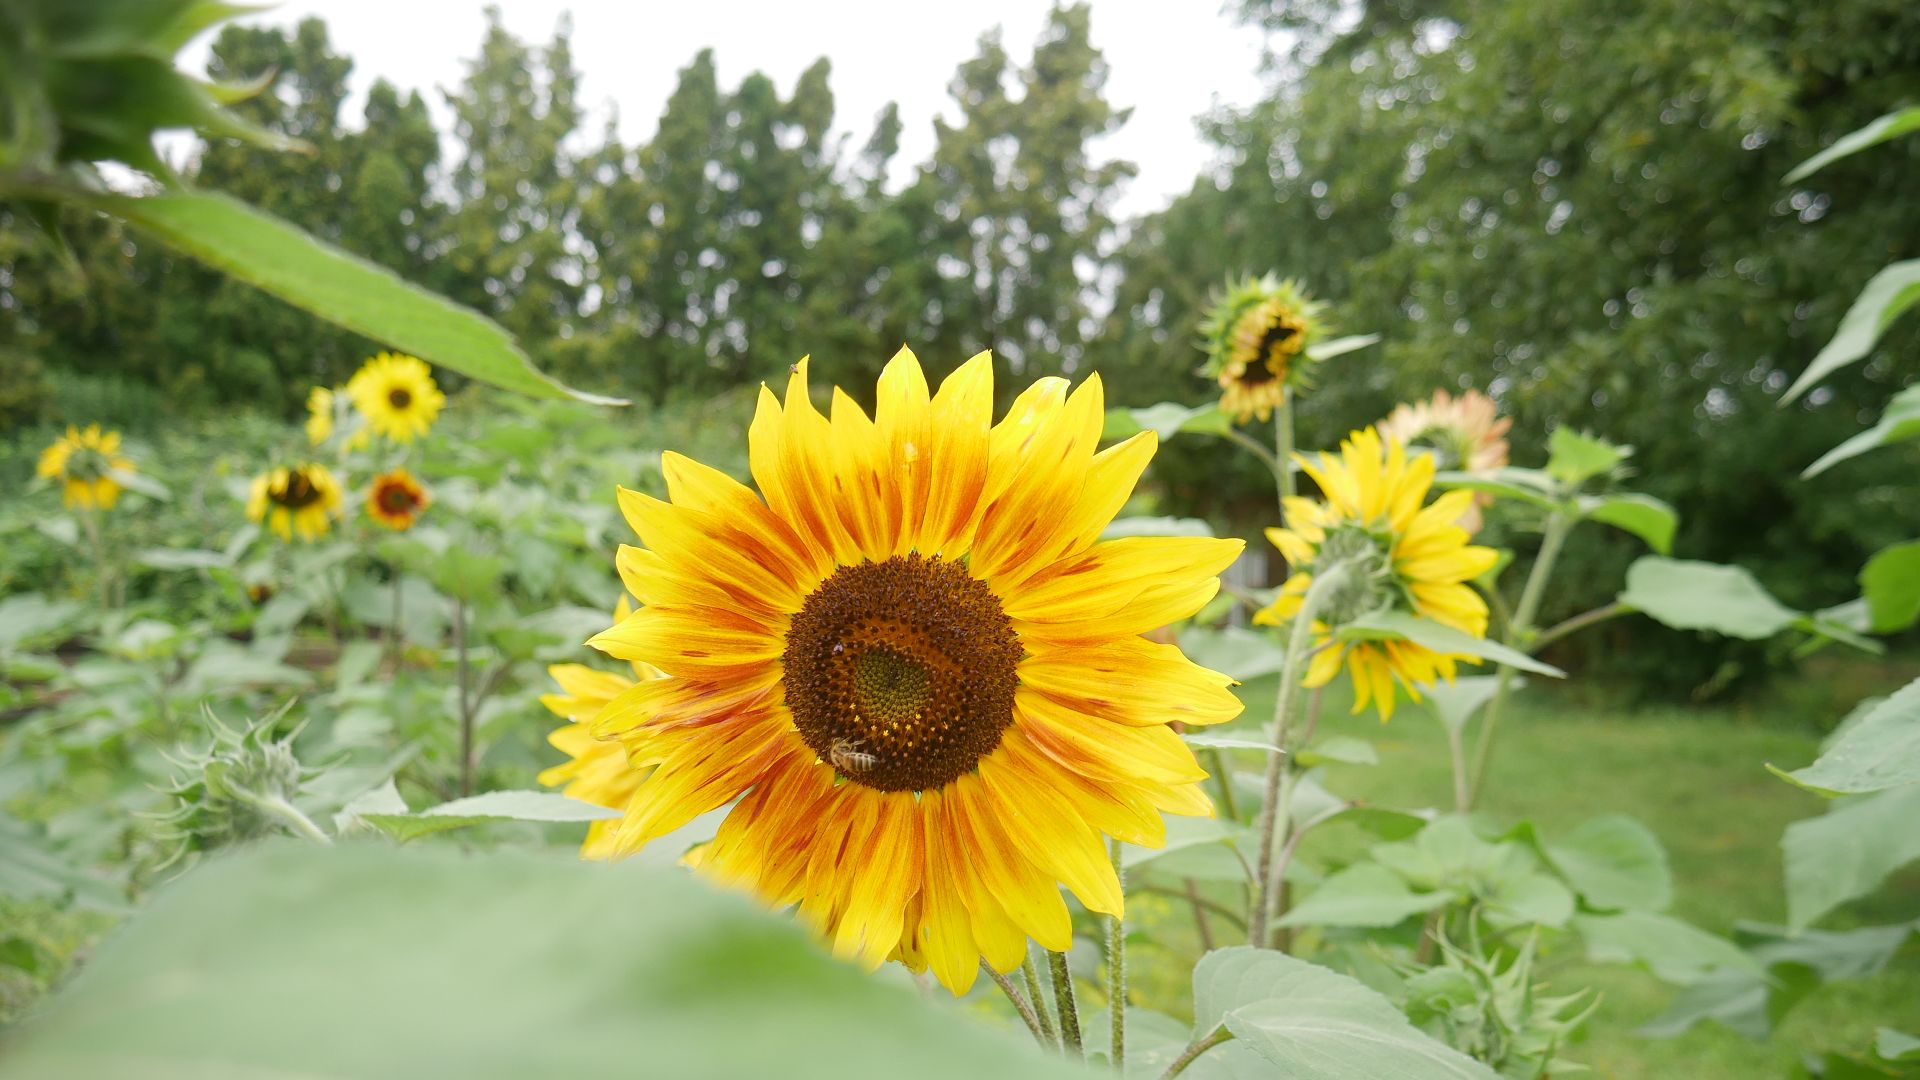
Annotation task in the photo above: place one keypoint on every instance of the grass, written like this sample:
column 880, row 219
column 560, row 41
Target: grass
column 1695, row 776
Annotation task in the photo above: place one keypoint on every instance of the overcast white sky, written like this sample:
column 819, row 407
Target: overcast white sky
column 1170, row 61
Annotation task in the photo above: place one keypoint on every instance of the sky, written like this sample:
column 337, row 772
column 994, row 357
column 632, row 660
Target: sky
column 629, row 52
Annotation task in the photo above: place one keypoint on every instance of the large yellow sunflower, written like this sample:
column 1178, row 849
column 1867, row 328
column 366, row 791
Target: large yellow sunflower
column 397, row 396
column 915, row 664
column 1256, row 336
column 395, row 499
column 597, row 769
column 302, row 499
column 1397, row 554
column 85, row 463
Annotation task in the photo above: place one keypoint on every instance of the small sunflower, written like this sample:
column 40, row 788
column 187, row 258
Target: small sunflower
column 597, row 771
column 303, row 500
column 1256, row 339
column 1466, row 431
column 1397, row 554
column 916, row 666
column 395, row 499
column 397, row 396
column 85, row 463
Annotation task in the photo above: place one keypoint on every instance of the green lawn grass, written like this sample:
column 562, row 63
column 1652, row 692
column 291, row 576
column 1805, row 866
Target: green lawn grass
column 1695, row 776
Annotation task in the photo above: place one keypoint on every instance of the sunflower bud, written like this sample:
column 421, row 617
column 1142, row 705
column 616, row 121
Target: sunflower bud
column 242, row 787
column 1357, row 576
column 1256, row 336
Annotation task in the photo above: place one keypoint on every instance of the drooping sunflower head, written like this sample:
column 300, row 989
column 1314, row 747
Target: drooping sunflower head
column 916, row 666
column 1467, row 432
column 1394, row 551
column 295, row 500
column 1256, row 337
column 395, row 499
column 397, row 396
column 86, row 463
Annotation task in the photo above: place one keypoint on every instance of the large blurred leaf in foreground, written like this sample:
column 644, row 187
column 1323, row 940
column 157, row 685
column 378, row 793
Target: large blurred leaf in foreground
column 365, row 961
column 343, row 289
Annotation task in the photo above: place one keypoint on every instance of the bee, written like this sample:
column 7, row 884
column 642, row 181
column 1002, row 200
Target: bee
column 847, row 756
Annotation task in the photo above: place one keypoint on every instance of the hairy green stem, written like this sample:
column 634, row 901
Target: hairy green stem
column 1117, row 969
column 1200, row 1046
column 1576, row 623
column 1031, row 976
column 286, row 814
column 1217, row 762
column 1069, row 1013
column 1200, row 924
column 1020, row 1004
column 1519, row 636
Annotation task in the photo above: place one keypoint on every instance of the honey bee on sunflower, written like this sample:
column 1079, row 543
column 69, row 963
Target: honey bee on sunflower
column 1394, row 552
column 296, row 500
column 89, row 465
column 913, row 662
column 397, row 396
column 1256, row 338
column 395, row 499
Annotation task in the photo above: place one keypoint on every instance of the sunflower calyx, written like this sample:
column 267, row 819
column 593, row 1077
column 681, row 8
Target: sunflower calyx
column 242, row 787
column 1354, row 576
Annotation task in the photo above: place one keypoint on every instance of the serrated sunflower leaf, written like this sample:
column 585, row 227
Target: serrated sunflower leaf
column 1899, row 423
column 1166, row 420
column 1642, row 515
column 1441, row 638
column 1849, row 851
column 1614, row 862
column 1890, row 584
column 1363, row 895
column 1893, row 125
column 1886, row 296
column 1690, row 595
column 1878, row 751
column 539, row 806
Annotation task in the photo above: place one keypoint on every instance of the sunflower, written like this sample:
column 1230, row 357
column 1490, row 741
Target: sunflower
column 1256, row 339
column 397, row 396
column 1466, row 431
column 395, row 499
column 915, row 664
column 85, row 463
column 1396, row 554
column 319, row 415
column 597, row 770
column 302, row 499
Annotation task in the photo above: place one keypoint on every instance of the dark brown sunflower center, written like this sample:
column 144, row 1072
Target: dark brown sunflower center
column 1276, row 346
column 901, row 673
column 297, row 492
column 397, row 498
column 399, row 397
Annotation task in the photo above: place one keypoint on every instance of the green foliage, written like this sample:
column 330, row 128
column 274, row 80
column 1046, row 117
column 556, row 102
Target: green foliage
column 496, row 966
column 1848, row 852
column 1888, row 294
column 542, row 806
column 1891, row 126
column 1880, row 750
column 1899, row 423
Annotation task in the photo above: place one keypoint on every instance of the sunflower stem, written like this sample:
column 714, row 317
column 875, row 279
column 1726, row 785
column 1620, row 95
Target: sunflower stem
column 1275, row 805
column 102, row 579
column 1063, row 1000
column 1031, row 976
column 1519, row 636
column 1217, row 761
column 466, row 707
column 1283, row 454
column 1117, row 969
column 1200, row 1046
column 1020, row 1004
column 1200, row 924
column 393, row 628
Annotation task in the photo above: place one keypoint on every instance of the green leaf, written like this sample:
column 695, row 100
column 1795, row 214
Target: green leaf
column 1895, row 1046
column 1441, row 638
column 182, row 559
column 1879, row 751
column 1574, row 457
column 1892, row 125
column 1187, row 834
column 1614, row 862
column 431, row 963
column 1233, row 650
column 1167, row 419
column 343, row 289
column 1887, row 294
column 1642, row 515
column 1227, row 742
column 1526, row 485
column 1675, row 951
column 1749, row 1003
column 1900, row 423
column 1311, row 1023
column 1156, row 526
column 1363, row 895
column 1154, row 1039
column 1690, row 595
column 1454, row 704
column 1340, row 346
column 542, row 806
column 30, row 867
column 1849, row 851
column 1344, row 749
column 1890, row 582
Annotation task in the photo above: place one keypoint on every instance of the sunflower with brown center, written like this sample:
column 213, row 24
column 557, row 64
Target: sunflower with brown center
column 397, row 396
column 295, row 500
column 1256, row 338
column 395, row 499
column 89, row 464
column 915, row 664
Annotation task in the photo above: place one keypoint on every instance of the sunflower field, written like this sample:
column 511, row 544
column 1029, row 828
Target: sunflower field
column 936, row 712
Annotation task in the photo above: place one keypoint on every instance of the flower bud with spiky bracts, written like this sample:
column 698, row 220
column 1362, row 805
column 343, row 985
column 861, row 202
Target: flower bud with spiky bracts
column 244, row 786
column 1257, row 336
column 1491, row 1008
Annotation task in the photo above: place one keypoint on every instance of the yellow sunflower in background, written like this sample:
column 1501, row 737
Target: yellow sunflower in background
column 395, row 499
column 915, row 664
column 1398, row 555
column 1467, row 432
column 319, row 415
column 397, row 396
column 302, row 500
column 1256, row 337
column 85, row 461
column 597, row 770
